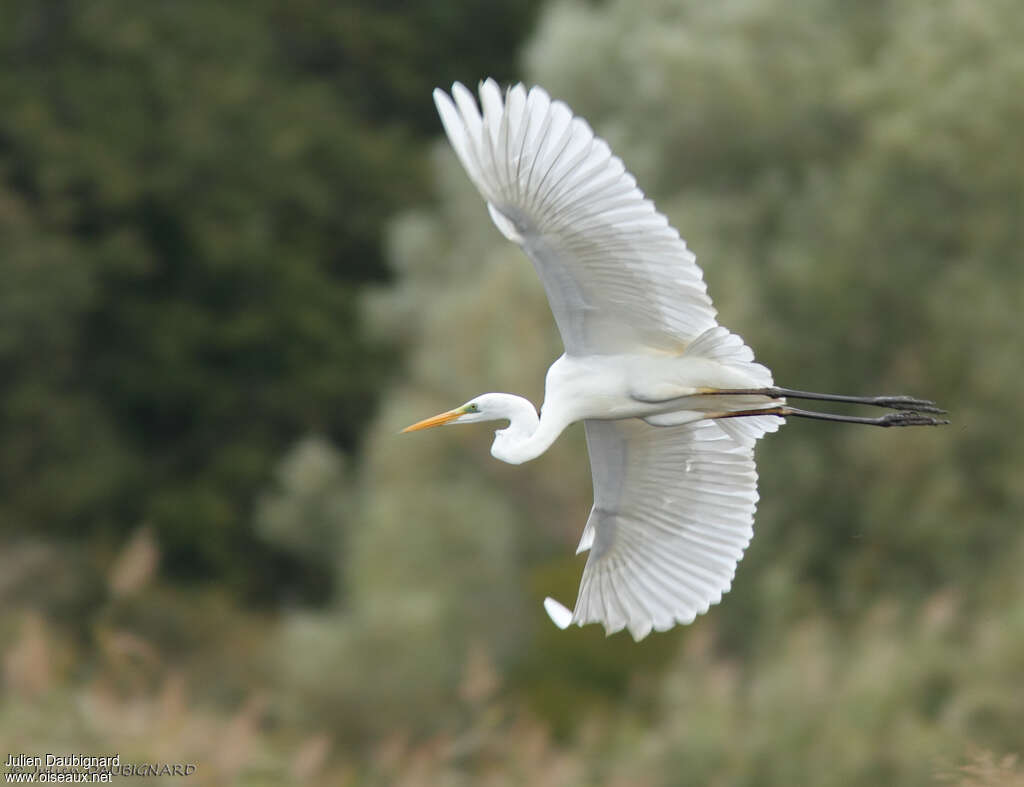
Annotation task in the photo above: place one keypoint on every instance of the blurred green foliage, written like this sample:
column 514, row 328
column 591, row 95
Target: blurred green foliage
column 191, row 196
column 851, row 177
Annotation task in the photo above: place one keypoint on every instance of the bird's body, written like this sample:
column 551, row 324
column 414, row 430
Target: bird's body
column 656, row 388
column 672, row 402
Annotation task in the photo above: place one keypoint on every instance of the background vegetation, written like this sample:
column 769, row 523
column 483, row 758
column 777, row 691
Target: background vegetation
column 236, row 258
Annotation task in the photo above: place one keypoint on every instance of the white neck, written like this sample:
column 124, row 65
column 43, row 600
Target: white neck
column 526, row 436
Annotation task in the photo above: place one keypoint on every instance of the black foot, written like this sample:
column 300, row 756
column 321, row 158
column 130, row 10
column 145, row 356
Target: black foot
column 906, row 403
column 910, row 418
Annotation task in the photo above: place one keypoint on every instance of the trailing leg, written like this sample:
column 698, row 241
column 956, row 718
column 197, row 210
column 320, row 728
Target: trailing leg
column 898, row 418
column 775, row 392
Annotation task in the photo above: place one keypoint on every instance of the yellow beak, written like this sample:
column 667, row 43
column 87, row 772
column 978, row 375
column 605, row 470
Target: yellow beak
column 435, row 420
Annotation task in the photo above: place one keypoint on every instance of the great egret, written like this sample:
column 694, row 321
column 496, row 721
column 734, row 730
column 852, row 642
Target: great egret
column 671, row 401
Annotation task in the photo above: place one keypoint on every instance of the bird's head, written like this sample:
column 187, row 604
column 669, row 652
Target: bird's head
column 486, row 407
column 471, row 412
column 519, row 412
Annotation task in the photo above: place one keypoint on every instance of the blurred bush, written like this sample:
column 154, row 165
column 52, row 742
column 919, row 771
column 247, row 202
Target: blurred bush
column 834, row 172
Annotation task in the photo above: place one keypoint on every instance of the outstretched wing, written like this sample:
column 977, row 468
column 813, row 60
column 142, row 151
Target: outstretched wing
column 673, row 512
column 617, row 276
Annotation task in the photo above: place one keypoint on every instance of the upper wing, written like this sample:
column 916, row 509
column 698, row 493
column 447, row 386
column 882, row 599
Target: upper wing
column 673, row 512
column 617, row 276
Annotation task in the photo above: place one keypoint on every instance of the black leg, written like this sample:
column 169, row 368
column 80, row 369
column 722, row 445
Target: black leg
column 898, row 418
column 893, row 402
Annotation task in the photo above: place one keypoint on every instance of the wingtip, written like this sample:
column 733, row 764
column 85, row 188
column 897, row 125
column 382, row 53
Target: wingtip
column 560, row 615
column 462, row 93
column 639, row 631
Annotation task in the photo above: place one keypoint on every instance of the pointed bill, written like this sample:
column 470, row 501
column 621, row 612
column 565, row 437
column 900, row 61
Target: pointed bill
column 435, row 420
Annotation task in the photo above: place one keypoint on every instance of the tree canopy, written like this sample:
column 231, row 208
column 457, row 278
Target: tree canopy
column 191, row 197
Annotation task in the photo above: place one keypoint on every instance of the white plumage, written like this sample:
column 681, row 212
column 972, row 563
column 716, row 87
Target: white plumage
column 672, row 402
column 616, row 274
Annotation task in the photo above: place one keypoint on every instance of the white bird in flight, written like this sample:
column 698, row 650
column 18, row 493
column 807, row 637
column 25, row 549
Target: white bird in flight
column 671, row 401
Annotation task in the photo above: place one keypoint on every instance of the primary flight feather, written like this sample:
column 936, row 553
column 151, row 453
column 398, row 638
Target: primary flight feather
column 671, row 401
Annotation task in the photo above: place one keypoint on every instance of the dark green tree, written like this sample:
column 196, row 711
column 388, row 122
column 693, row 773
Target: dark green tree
column 191, row 198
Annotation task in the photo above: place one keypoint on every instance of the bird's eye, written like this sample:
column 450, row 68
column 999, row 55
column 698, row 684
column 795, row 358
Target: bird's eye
column 473, row 408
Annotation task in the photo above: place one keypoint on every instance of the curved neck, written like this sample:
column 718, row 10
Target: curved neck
column 526, row 436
